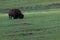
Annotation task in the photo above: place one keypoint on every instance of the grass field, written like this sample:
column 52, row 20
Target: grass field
column 41, row 20
column 23, row 3
column 35, row 26
column 28, row 5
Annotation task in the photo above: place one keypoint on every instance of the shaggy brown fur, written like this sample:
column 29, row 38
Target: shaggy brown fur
column 15, row 14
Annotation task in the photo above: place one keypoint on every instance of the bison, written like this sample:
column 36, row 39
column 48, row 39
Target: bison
column 15, row 14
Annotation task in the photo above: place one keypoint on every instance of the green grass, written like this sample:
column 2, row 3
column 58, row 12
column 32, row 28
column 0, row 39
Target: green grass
column 22, row 3
column 28, row 5
column 43, row 26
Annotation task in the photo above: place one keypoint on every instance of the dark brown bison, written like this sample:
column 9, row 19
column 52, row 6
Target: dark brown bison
column 15, row 14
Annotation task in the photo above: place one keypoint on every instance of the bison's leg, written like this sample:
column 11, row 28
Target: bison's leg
column 15, row 17
column 10, row 17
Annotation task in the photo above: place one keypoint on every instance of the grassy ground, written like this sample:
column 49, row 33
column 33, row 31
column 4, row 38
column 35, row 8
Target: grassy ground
column 35, row 26
column 43, row 25
column 23, row 3
column 29, row 5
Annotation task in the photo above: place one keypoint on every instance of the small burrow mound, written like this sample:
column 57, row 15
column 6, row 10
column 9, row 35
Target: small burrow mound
column 8, row 35
column 27, row 33
column 18, row 34
column 21, row 30
column 25, row 24
column 20, row 24
column 30, row 30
